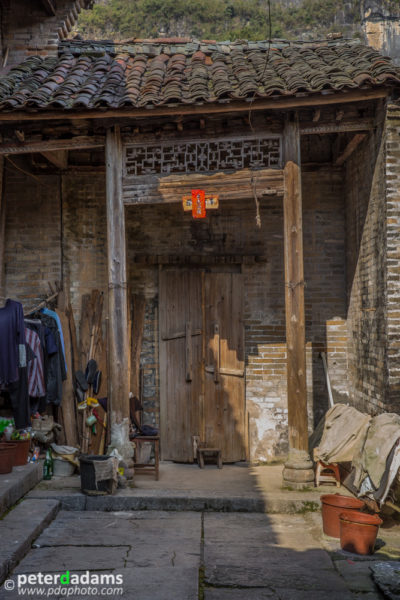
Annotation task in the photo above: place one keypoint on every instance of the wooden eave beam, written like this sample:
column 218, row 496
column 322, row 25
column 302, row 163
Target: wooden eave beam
column 42, row 146
column 204, row 109
column 321, row 128
column 49, row 7
column 348, row 151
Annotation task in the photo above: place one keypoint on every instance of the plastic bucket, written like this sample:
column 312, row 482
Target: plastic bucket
column 21, row 451
column 88, row 476
column 7, row 452
column 358, row 531
column 63, row 468
column 332, row 506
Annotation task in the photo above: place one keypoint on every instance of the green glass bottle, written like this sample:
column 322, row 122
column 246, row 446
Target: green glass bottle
column 48, row 466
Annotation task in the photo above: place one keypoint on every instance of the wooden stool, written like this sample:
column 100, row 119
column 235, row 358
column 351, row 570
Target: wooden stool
column 148, row 467
column 328, row 473
column 202, row 451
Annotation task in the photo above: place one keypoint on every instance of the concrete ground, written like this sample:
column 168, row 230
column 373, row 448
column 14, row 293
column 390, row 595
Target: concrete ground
column 195, row 556
column 215, row 535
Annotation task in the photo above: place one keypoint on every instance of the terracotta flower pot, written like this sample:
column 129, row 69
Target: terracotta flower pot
column 21, row 451
column 358, row 531
column 6, row 457
column 332, row 506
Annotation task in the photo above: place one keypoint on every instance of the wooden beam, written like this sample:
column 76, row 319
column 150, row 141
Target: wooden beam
column 342, row 127
column 203, row 109
column 2, row 234
column 348, row 151
column 294, row 290
column 76, row 143
column 118, row 339
column 58, row 158
column 229, row 186
column 49, row 7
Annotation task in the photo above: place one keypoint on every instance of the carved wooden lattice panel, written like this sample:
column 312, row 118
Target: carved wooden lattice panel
column 204, row 156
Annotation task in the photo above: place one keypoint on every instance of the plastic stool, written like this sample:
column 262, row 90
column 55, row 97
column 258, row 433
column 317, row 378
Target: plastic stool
column 327, row 473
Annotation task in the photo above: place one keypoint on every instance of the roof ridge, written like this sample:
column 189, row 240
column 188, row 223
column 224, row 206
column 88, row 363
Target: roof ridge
column 275, row 42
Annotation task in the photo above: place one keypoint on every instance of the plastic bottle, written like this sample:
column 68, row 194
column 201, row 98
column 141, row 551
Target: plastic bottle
column 48, row 466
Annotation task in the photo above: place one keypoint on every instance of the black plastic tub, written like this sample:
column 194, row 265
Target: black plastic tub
column 88, row 476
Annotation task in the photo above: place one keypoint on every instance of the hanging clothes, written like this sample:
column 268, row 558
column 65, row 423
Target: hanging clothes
column 12, row 342
column 19, row 397
column 13, row 364
column 36, row 383
column 54, row 315
column 56, row 372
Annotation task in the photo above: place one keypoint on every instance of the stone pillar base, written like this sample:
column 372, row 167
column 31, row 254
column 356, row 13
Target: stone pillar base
column 298, row 472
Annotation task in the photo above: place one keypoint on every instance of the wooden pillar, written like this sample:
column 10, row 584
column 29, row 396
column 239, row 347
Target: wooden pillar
column 118, row 335
column 2, row 234
column 298, row 470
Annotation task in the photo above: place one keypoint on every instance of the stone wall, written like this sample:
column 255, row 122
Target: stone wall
column 366, row 274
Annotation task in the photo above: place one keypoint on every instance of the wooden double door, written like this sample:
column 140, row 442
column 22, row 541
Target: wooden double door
column 202, row 385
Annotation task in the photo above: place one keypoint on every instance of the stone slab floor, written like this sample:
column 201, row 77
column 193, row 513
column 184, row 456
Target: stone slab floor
column 193, row 556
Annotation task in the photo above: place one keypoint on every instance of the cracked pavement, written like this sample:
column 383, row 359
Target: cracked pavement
column 197, row 556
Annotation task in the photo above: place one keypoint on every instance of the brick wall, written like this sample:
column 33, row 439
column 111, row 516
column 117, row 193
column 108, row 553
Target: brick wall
column 393, row 257
column 324, row 271
column 34, row 256
column 33, row 235
column 27, row 29
column 49, row 240
column 366, row 274
column 165, row 231
column 84, row 235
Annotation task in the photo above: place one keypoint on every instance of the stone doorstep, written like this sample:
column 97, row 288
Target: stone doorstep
column 14, row 485
column 20, row 527
column 183, row 501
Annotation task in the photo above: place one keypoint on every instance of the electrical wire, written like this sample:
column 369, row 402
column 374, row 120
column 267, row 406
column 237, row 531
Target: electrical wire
column 253, row 181
column 265, row 64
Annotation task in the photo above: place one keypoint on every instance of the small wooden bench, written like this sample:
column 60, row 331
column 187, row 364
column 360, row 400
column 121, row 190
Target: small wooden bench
column 209, row 451
column 148, row 467
column 327, row 473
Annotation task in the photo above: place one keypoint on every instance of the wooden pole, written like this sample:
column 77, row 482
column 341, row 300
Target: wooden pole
column 298, row 470
column 2, row 234
column 118, row 339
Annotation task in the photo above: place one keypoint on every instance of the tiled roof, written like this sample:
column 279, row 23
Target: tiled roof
column 146, row 73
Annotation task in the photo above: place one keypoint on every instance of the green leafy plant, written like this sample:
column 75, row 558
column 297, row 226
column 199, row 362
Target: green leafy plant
column 215, row 19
